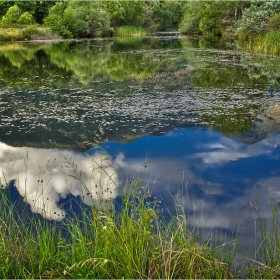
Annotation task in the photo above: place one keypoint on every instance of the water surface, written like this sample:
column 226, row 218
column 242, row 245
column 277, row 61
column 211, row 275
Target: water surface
column 198, row 122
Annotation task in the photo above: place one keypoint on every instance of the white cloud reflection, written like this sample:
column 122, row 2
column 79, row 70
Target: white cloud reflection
column 44, row 176
column 230, row 150
column 225, row 202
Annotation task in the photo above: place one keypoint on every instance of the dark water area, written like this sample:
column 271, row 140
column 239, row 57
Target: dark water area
column 198, row 122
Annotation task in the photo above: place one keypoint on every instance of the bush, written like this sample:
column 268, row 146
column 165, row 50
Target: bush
column 274, row 22
column 191, row 18
column 257, row 19
column 26, row 18
column 31, row 32
column 10, row 34
column 11, row 16
column 79, row 19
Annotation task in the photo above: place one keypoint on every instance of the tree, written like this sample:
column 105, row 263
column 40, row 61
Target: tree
column 54, row 19
column 210, row 17
column 165, row 15
column 116, row 12
column 26, row 18
column 255, row 19
column 11, row 16
column 134, row 13
column 79, row 19
column 38, row 9
column 191, row 18
column 41, row 10
column 4, row 6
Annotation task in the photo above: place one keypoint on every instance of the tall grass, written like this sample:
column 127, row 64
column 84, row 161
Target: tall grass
column 130, row 31
column 31, row 32
column 268, row 43
column 133, row 241
column 266, row 262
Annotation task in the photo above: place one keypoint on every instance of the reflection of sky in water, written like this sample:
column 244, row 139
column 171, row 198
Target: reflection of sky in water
column 221, row 175
column 43, row 177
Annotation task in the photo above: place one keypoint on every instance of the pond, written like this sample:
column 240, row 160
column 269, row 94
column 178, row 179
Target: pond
column 198, row 123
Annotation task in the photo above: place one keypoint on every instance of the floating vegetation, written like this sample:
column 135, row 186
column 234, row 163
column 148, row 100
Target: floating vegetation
column 86, row 93
column 87, row 116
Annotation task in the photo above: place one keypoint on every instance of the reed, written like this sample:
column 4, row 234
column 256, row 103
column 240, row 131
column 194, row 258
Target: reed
column 31, row 32
column 265, row 264
column 130, row 31
column 268, row 43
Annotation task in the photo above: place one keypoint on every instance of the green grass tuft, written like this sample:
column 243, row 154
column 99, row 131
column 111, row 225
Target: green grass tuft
column 130, row 31
column 30, row 32
column 268, row 43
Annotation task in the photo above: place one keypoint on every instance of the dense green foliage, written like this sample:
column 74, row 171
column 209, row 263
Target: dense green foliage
column 217, row 18
column 38, row 9
column 91, row 18
column 79, row 19
column 11, row 16
column 75, row 19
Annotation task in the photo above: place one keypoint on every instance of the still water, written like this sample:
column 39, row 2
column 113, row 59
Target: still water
column 199, row 122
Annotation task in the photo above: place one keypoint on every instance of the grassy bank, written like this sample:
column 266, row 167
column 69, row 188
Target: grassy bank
column 268, row 43
column 130, row 31
column 26, row 33
column 127, row 239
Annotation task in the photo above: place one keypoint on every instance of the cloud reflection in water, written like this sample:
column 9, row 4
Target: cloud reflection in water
column 212, row 176
column 44, row 176
column 230, row 150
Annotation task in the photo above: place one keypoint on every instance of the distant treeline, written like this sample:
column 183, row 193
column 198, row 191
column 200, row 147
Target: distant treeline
column 73, row 19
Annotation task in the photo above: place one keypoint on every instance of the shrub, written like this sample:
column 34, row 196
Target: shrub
column 11, row 16
column 82, row 19
column 257, row 19
column 274, row 22
column 26, row 18
column 31, row 32
column 191, row 18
